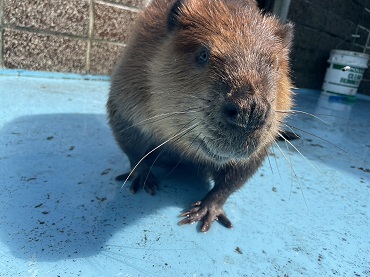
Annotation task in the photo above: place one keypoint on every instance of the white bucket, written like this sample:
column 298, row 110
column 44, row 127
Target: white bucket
column 345, row 71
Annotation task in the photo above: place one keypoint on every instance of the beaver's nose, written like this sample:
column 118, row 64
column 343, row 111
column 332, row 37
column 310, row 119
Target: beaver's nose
column 231, row 112
column 248, row 115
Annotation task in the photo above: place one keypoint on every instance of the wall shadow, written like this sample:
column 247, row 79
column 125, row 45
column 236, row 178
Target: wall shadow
column 58, row 196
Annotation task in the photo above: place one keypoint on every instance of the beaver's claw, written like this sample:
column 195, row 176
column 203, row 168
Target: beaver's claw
column 206, row 213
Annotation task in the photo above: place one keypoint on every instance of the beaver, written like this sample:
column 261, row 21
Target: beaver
column 205, row 83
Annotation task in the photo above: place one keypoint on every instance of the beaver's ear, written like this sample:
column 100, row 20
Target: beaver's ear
column 173, row 16
column 285, row 32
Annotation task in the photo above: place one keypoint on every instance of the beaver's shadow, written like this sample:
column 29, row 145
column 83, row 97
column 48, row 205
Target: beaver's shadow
column 58, row 196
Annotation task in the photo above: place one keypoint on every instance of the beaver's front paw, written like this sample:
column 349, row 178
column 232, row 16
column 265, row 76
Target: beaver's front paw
column 207, row 213
column 146, row 181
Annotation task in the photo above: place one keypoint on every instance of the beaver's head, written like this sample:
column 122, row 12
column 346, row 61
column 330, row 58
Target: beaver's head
column 220, row 78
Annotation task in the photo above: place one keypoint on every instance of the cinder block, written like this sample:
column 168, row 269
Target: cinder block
column 304, row 13
column 113, row 23
column 365, row 18
column 321, row 62
column 352, row 11
column 328, row 42
column 344, row 9
column 70, row 17
column 1, row 12
column 304, row 59
column 133, row 3
column 103, row 57
column 361, row 2
column 1, row 47
column 307, row 80
column 364, row 34
column 340, row 27
column 32, row 51
column 357, row 48
column 306, row 37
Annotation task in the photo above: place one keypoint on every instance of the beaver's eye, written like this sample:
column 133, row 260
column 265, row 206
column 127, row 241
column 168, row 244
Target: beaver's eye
column 203, row 56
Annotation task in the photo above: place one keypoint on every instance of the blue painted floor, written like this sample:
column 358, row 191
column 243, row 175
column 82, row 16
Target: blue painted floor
column 63, row 214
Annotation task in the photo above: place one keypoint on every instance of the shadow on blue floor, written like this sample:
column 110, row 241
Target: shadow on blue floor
column 64, row 206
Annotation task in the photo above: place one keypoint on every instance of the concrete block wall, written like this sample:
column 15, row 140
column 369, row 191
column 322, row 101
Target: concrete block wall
column 85, row 36
column 321, row 26
column 80, row 36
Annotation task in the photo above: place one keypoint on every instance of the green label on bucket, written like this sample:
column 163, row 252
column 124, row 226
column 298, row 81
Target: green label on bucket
column 353, row 79
column 352, row 69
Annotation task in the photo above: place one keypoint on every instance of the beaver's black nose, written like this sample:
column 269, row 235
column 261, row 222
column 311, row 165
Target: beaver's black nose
column 249, row 116
column 231, row 112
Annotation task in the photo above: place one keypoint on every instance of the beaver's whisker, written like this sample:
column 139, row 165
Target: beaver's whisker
column 182, row 154
column 163, row 116
column 151, row 167
column 290, row 128
column 296, row 149
column 293, row 171
column 291, row 181
column 198, row 97
column 188, row 95
column 268, row 158
column 301, row 112
column 316, row 136
column 276, row 163
column 289, row 163
column 160, row 145
column 162, row 151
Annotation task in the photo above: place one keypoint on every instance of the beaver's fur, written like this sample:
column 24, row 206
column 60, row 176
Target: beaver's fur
column 207, row 79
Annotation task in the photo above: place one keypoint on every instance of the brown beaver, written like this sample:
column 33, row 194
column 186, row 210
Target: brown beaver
column 204, row 83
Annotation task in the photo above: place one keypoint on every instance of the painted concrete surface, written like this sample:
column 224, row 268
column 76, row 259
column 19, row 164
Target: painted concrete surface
column 63, row 214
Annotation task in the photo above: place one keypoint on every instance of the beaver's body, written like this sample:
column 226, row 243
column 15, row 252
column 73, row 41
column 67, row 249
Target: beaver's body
column 204, row 80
